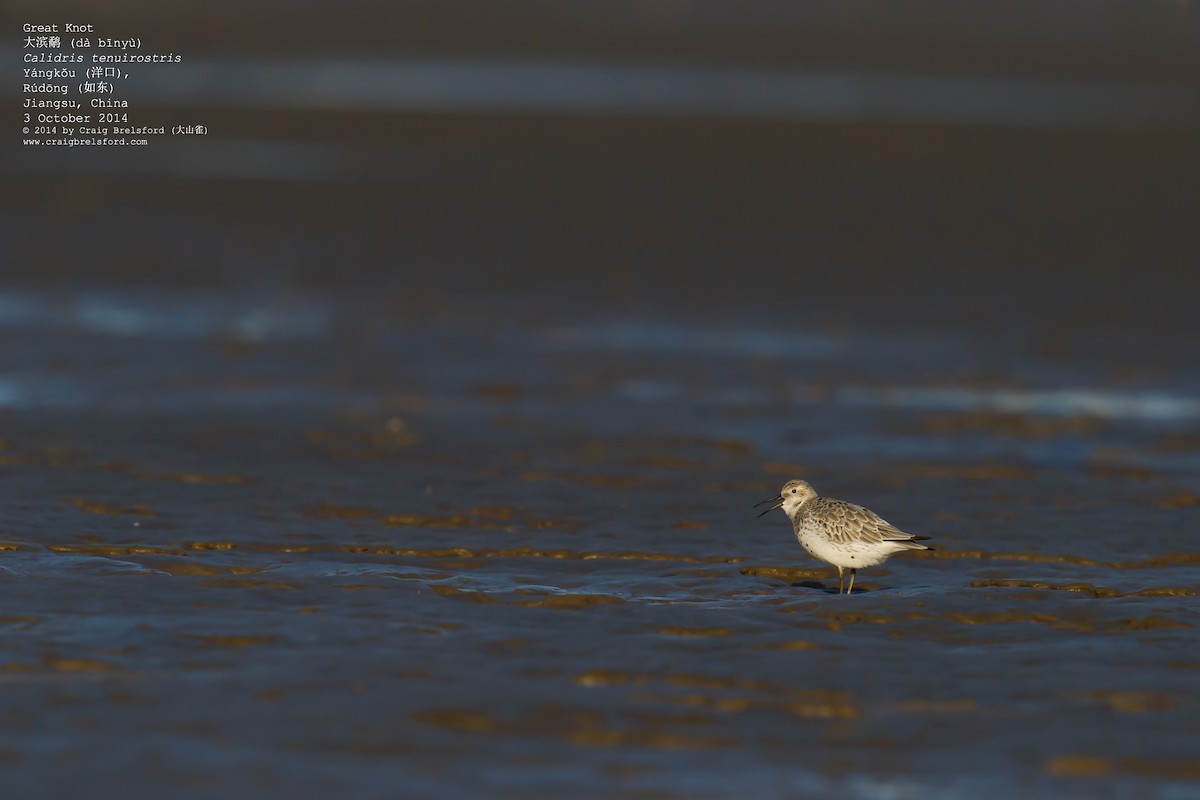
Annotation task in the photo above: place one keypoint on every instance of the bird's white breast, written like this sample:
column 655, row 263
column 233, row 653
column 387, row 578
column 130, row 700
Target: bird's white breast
column 852, row 554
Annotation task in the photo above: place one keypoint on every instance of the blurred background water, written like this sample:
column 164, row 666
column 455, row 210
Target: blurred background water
column 400, row 435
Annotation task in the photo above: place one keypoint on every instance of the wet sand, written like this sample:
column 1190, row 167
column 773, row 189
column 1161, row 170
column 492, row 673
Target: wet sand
column 498, row 553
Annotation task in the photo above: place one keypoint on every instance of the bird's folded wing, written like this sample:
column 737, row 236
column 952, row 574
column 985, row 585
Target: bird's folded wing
column 846, row 522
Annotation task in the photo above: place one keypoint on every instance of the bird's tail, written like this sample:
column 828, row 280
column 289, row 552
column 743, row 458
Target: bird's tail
column 912, row 543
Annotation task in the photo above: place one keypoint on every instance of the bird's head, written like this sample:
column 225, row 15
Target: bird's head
column 791, row 497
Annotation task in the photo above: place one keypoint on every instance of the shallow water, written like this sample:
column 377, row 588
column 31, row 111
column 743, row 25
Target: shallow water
column 313, row 545
column 400, row 436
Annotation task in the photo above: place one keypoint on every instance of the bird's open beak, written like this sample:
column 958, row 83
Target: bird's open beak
column 777, row 500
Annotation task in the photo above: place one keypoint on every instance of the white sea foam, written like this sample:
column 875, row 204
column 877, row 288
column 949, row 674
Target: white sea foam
column 668, row 338
column 1151, row 406
column 190, row 318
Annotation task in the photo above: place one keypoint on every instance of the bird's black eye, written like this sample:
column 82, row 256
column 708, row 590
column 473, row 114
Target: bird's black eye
column 793, row 491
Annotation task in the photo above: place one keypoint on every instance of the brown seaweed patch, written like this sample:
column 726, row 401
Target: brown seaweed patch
column 961, row 706
column 75, row 664
column 1168, row 769
column 1004, row 617
column 56, row 456
column 25, row 621
column 1147, row 623
column 787, row 574
column 610, row 677
column 498, row 392
column 570, row 601
column 1086, row 588
column 836, row 619
column 454, row 520
column 1133, row 702
column 497, row 513
column 688, row 524
column 680, row 630
column 434, row 630
column 1183, row 770
column 810, row 704
column 1038, row 558
column 343, row 441
column 506, row 647
column 595, row 678
column 709, row 681
column 457, row 720
column 1180, row 501
column 9, row 546
column 1165, row 591
column 138, row 509
column 1008, row 424
column 658, row 716
column 116, row 549
column 16, row 666
column 228, row 641
column 579, row 726
column 407, row 403
column 566, row 601
column 616, row 677
column 638, row 737
column 1079, row 767
column 421, row 576
column 198, row 478
column 327, row 511
column 1178, row 442
column 250, row 583
column 1120, row 473
column 193, row 567
column 360, row 446
column 1164, row 560
column 793, row 644
column 539, row 524
column 822, row 710
column 419, row 552
column 392, row 437
column 753, row 694
column 696, row 573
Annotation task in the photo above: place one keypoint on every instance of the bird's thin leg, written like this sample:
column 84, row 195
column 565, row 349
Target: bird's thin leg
column 853, row 572
column 841, row 579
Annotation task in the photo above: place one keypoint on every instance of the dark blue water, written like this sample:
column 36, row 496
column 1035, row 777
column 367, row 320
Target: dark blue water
column 301, row 545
